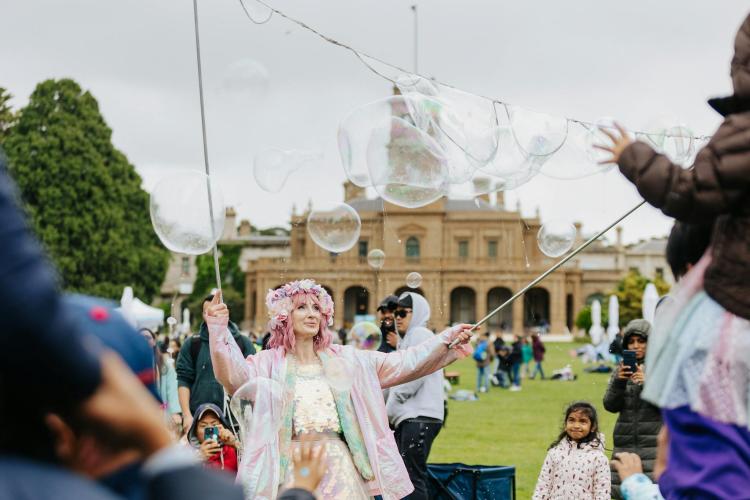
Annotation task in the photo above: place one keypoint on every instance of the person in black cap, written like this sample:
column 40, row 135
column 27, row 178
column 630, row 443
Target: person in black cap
column 386, row 309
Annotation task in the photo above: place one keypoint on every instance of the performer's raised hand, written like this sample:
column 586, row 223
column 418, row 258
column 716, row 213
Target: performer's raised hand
column 216, row 308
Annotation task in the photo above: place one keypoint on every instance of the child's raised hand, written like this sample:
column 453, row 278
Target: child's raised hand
column 626, row 464
column 620, row 140
column 309, row 465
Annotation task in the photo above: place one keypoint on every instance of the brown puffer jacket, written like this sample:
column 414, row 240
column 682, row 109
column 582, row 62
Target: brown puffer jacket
column 717, row 187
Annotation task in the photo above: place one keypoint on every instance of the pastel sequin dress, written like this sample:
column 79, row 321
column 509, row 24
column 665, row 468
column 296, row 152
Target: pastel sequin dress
column 315, row 414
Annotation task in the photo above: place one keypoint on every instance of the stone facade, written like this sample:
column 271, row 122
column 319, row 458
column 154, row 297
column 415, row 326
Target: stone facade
column 472, row 255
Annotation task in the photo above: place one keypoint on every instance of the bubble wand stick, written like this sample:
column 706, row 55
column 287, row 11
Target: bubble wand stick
column 551, row 270
column 205, row 144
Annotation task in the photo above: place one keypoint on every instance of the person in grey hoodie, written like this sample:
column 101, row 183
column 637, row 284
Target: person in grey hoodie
column 415, row 409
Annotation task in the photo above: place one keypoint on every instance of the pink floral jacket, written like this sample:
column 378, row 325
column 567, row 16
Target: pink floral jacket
column 262, row 378
column 571, row 472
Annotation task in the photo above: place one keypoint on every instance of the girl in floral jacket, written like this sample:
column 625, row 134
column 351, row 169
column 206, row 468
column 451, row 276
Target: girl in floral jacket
column 576, row 466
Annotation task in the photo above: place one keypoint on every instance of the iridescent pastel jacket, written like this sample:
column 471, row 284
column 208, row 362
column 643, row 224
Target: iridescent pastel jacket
column 263, row 382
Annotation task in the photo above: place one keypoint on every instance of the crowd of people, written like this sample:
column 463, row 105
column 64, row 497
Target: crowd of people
column 97, row 410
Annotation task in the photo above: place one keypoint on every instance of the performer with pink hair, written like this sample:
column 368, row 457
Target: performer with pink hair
column 306, row 387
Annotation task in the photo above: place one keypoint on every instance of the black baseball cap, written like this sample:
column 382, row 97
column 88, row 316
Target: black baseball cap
column 390, row 303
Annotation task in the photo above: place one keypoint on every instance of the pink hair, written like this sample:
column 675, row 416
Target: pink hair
column 282, row 334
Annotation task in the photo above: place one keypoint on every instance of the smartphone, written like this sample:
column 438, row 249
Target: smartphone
column 628, row 359
column 211, row 433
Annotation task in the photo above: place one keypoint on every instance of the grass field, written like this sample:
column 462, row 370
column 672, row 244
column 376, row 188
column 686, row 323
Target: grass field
column 515, row 428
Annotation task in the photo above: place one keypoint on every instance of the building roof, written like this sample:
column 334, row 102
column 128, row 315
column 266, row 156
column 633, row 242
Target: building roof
column 475, row 205
column 651, row 245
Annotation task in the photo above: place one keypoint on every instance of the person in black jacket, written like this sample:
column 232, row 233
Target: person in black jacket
column 196, row 382
column 639, row 422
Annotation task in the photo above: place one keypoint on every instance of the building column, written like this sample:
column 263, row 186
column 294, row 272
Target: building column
column 338, row 306
column 557, row 308
column 518, row 314
column 480, row 306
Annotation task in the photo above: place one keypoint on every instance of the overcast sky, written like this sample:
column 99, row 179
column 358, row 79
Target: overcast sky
column 636, row 61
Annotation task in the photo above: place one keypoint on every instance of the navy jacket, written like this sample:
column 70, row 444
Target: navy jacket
column 34, row 330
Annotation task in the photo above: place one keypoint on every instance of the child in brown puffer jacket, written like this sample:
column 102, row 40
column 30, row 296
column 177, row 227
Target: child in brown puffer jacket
column 698, row 363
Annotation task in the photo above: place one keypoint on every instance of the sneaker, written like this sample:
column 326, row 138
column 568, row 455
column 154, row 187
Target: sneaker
column 482, row 389
column 515, row 388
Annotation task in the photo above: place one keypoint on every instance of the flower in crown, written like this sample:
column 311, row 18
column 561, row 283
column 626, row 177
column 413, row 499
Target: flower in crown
column 279, row 301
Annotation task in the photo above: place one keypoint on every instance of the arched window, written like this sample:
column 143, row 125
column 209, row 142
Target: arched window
column 463, row 305
column 412, row 248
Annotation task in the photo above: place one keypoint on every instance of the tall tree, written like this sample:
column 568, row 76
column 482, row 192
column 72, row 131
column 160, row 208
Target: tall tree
column 7, row 116
column 629, row 292
column 83, row 196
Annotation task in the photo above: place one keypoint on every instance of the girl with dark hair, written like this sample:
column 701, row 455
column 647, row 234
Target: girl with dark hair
column 576, row 466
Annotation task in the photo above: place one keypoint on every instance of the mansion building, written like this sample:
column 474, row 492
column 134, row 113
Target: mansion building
column 472, row 255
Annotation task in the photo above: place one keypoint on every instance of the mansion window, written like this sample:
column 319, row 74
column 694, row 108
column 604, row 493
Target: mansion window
column 363, row 248
column 492, row 249
column 660, row 272
column 412, row 248
column 185, row 266
column 463, row 249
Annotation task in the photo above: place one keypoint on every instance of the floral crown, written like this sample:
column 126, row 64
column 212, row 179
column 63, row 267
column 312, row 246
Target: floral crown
column 279, row 301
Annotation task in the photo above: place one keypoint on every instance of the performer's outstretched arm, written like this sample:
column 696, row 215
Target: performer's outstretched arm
column 231, row 368
column 399, row 367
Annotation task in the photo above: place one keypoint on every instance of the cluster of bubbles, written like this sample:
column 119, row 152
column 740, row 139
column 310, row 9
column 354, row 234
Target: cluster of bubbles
column 272, row 167
column 431, row 140
column 335, row 227
column 180, row 211
column 556, row 237
column 364, row 335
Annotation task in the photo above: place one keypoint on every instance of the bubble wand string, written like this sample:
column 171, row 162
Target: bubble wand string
column 361, row 55
column 205, row 145
column 551, row 269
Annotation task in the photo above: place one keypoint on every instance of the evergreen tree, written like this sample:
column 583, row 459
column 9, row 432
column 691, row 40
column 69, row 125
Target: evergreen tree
column 7, row 117
column 629, row 292
column 83, row 197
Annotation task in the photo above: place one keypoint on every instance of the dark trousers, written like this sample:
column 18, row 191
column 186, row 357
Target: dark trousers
column 414, row 438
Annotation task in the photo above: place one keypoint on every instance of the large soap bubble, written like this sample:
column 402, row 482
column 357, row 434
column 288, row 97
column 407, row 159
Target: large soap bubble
column 257, row 407
column 334, row 228
column 376, row 258
column 573, row 160
column 413, row 280
column 364, row 335
column 273, row 167
column 406, row 166
column 537, row 134
column 356, row 129
column 556, row 237
column 180, row 212
column 256, row 11
column 511, row 166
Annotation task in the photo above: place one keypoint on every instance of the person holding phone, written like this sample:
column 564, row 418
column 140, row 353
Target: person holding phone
column 211, row 435
column 639, row 422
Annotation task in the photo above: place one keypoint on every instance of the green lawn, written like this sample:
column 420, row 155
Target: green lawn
column 515, row 428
